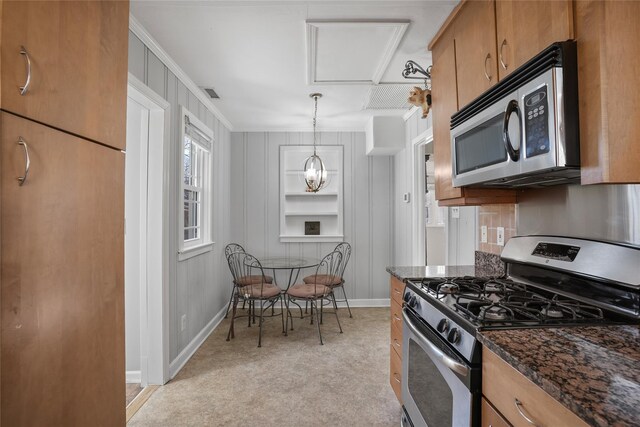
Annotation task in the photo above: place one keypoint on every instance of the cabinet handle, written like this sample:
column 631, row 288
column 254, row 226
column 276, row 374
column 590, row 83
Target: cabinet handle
column 396, row 377
column 397, row 318
column 488, row 57
column 396, row 343
column 25, row 88
column 22, row 179
column 397, row 291
column 521, row 411
column 502, row 45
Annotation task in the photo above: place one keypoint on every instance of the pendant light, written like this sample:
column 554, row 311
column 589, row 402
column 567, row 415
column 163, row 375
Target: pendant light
column 315, row 173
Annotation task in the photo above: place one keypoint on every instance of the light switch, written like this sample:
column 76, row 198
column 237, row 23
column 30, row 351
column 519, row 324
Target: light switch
column 483, row 234
column 455, row 212
column 500, row 239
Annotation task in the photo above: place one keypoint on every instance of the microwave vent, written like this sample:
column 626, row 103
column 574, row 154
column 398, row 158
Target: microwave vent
column 566, row 176
column 389, row 96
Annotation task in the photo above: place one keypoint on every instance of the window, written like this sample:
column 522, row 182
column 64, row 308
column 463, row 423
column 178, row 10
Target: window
column 196, row 184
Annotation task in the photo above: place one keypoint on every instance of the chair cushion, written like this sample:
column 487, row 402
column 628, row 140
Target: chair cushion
column 259, row 290
column 252, row 280
column 308, row 290
column 323, row 279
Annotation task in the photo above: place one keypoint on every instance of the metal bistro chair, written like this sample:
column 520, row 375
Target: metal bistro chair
column 243, row 265
column 252, row 279
column 336, row 282
column 316, row 292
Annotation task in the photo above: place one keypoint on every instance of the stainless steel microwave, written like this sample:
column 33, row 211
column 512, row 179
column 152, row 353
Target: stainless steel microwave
column 524, row 131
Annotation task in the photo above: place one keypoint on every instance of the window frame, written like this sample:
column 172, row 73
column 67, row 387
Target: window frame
column 204, row 243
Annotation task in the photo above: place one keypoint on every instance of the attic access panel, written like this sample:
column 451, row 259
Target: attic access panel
column 351, row 52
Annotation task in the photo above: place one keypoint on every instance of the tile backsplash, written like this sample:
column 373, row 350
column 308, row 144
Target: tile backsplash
column 494, row 216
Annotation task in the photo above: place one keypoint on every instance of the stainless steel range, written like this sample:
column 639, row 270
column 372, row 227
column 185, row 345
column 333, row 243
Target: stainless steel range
column 550, row 282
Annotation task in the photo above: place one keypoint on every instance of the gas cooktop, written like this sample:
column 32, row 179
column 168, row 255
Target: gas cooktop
column 550, row 282
column 500, row 303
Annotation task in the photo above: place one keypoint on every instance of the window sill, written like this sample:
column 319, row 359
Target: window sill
column 193, row 251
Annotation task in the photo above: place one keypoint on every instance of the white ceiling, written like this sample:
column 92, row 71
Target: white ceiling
column 254, row 54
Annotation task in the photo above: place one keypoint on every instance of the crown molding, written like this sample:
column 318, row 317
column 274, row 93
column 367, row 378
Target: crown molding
column 136, row 27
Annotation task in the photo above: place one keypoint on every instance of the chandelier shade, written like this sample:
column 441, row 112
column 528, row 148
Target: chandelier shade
column 315, row 173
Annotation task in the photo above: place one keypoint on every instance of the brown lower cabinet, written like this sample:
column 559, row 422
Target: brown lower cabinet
column 518, row 400
column 491, row 417
column 395, row 351
column 62, row 279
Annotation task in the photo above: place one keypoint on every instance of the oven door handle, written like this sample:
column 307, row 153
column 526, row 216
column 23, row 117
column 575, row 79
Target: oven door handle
column 456, row 367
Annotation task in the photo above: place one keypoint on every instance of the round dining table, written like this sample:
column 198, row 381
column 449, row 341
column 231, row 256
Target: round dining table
column 292, row 263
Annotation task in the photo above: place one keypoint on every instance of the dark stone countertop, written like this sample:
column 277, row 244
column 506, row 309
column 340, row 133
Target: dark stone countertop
column 594, row 371
column 435, row 271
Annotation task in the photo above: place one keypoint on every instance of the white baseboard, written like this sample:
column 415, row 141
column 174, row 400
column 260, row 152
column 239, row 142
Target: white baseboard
column 189, row 350
column 134, row 377
column 361, row 303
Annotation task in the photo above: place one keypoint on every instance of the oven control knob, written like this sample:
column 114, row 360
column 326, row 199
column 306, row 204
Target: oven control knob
column 454, row 336
column 413, row 301
column 407, row 297
column 443, row 326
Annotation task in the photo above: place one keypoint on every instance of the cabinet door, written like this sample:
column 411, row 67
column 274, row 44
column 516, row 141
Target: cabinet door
column 491, row 417
column 78, row 55
column 444, row 103
column 475, row 41
column 608, row 38
column 524, row 28
column 62, row 294
column 518, row 399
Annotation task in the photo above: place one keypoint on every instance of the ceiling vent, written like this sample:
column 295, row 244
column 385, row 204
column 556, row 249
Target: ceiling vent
column 212, row 93
column 388, row 97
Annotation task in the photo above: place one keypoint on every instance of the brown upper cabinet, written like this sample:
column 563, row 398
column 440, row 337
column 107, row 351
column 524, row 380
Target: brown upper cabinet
column 468, row 59
column 608, row 37
column 475, row 56
column 444, row 95
column 525, row 28
column 446, row 84
column 66, row 67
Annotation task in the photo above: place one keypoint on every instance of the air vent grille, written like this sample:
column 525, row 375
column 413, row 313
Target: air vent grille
column 212, row 93
column 388, row 97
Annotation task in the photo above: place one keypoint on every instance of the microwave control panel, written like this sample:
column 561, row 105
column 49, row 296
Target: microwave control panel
column 536, row 122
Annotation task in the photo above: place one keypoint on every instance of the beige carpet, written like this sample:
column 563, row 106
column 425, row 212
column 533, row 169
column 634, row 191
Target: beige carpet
column 290, row 381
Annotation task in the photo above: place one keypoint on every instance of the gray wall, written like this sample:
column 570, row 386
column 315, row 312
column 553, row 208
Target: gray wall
column 198, row 287
column 368, row 219
column 403, row 182
column 609, row 212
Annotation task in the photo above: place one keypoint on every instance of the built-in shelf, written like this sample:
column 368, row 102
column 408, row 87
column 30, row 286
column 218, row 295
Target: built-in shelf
column 310, row 194
column 312, row 214
column 315, row 239
column 298, row 207
column 300, row 171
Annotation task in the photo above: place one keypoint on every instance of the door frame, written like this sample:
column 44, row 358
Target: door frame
column 154, row 289
column 418, row 150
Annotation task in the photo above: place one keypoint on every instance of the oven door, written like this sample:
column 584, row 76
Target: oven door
column 438, row 386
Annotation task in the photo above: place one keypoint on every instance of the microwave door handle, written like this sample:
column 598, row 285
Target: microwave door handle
column 512, row 107
column 446, row 360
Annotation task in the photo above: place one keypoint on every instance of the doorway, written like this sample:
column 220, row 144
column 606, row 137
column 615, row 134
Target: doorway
column 146, row 313
column 429, row 233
